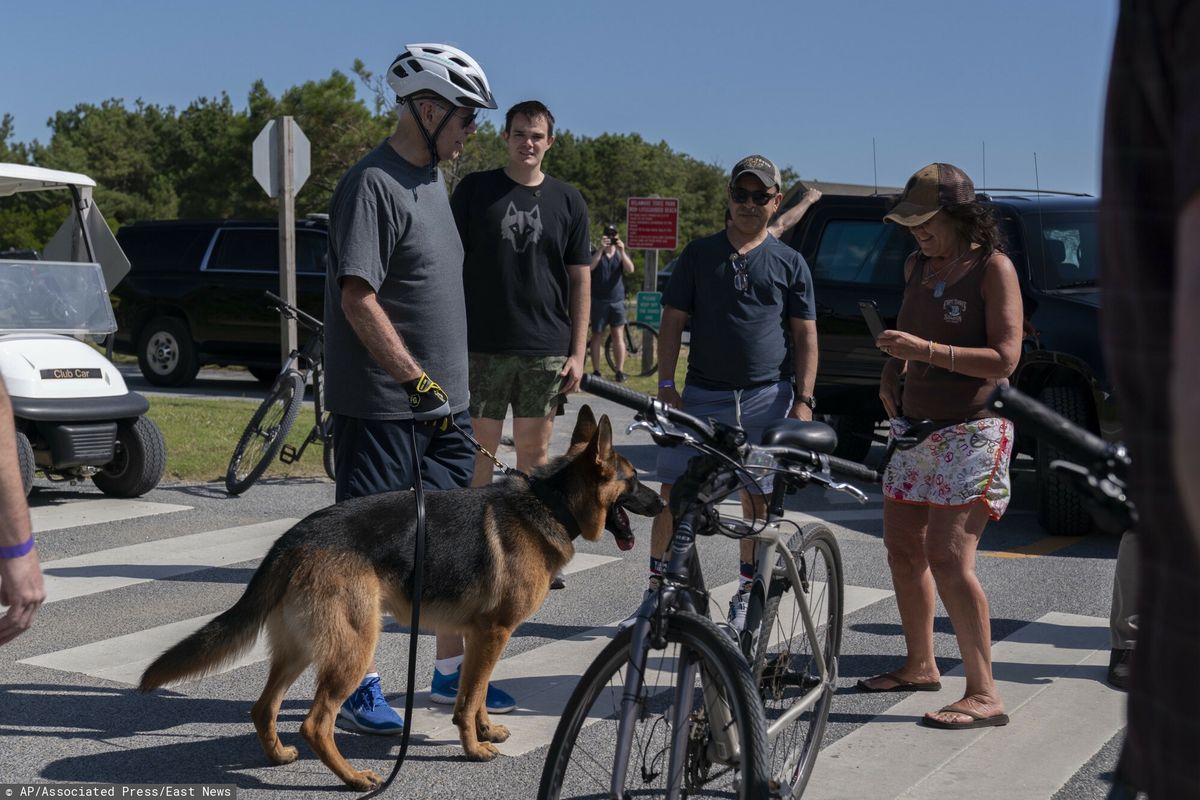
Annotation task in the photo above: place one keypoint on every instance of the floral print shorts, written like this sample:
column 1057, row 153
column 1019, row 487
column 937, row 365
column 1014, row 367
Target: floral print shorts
column 954, row 466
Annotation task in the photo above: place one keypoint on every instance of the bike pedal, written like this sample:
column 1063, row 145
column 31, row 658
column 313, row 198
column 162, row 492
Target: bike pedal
column 287, row 454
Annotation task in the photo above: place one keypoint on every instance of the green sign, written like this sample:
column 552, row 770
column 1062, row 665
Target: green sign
column 649, row 307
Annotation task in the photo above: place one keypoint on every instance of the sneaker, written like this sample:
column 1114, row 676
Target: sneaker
column 445, row 691
column 366, row 711
column 558, row 581
column 620, row 377
column 1118, row 669
column 737, row 608
column 596, row 372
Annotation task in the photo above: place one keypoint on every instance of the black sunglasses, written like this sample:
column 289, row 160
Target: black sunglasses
column 741, row 271
column 760, row 198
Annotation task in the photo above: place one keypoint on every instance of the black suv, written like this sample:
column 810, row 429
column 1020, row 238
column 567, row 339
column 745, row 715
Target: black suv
column 1051, row 239
column 194, row 294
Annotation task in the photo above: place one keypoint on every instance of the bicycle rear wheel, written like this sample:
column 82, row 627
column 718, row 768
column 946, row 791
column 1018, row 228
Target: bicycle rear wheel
column 580, row 761
column 266, row 432
column 635, row 343
column 786, row 667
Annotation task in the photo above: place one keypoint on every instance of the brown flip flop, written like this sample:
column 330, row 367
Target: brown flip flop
column 901, row 685
column 977, row 720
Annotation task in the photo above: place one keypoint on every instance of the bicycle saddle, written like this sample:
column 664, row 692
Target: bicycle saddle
column 815, row 436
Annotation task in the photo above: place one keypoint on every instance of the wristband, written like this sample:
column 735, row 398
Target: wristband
column 16, row 551
column 931, row 344
column 669, row 383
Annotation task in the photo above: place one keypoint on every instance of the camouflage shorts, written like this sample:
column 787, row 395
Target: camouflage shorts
column 530, row 384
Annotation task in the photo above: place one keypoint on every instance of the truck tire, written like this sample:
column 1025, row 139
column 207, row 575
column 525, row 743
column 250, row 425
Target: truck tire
column 855, row 436
column 25, row 462
column 138, row 463
column 166, row 353
column 1061, row 511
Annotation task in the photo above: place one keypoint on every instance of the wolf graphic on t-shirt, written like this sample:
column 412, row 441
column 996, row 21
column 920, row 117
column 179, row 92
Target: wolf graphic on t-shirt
column 521, row 228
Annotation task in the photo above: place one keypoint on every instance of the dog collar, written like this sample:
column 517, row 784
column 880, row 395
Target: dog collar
column 554, row 500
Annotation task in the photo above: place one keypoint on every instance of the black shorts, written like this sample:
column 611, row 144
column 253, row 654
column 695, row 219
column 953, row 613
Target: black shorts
column 605, row 314
column 376, row 455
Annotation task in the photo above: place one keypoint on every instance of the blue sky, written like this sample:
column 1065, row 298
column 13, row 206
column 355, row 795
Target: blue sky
column 806, row 83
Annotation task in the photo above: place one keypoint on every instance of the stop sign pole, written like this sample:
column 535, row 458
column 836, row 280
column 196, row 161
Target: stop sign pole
column 281, row 165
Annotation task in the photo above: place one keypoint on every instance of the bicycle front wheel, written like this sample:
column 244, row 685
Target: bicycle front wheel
column 637, row 348
column 787, row 663
column 266, row 433
column 580, row 762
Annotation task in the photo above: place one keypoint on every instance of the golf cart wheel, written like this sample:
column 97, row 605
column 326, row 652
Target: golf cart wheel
column 25, row 462
column 139, row 460
column 166, row 354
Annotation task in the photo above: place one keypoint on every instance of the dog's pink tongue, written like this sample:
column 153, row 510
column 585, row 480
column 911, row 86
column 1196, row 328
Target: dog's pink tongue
column 626, row 544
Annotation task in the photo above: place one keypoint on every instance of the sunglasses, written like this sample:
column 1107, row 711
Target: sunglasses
column 741, row 271
column 760, row 198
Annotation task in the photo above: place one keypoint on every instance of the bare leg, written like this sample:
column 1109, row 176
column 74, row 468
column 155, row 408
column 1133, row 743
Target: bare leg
column 952, row 538
column 531, row 435
column 597, row 346
column 904, row 536
column 754, row 507
column 618, row 337
column 487, row 431
column 660, row 530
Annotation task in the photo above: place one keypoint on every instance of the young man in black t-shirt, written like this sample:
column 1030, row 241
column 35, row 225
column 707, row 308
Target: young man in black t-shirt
column 527, row 282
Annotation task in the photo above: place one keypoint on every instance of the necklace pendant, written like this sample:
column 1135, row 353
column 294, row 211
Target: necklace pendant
column 939, row 288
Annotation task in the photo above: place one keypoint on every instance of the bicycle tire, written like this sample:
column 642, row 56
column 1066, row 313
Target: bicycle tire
column 265, row 433
column 327, row 446
column 785, row 668
column 633, row 349
column 580, row 760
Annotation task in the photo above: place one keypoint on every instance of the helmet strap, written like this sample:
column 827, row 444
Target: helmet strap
column 430, row 139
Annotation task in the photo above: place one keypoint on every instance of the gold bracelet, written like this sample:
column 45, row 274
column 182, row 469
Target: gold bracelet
column 931, row 345
column 951, row 357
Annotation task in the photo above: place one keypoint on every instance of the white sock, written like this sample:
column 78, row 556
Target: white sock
column 448, row 666
column 370, row 675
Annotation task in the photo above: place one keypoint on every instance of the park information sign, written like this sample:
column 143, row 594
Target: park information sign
column 652, row 223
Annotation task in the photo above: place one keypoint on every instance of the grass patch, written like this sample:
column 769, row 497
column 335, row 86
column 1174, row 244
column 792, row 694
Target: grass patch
column 201, row 434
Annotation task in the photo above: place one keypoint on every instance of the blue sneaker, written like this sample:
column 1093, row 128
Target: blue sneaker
column 444, row 690
column 366, row 711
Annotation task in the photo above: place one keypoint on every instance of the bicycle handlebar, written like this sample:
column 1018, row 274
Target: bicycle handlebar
column 1042, row 423
column 645, row 404
column 283, row 307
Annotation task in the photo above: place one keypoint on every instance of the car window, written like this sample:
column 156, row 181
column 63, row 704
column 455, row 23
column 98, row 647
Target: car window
column 246, row 250
column 312, row 252
column 1068, row 250
column 861, row 251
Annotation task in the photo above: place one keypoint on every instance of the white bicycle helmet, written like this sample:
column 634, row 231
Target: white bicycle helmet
column 444, row 70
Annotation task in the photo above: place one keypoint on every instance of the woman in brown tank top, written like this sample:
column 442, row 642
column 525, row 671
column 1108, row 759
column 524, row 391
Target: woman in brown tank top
column 958, row 336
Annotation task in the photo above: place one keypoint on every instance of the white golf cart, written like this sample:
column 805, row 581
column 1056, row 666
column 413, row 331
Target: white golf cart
column 75, row 417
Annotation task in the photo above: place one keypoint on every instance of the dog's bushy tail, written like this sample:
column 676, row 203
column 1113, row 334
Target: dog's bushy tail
column 227, row 635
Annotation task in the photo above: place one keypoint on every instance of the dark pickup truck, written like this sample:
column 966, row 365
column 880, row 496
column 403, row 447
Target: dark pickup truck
column 1051, row 239
column 194, row 294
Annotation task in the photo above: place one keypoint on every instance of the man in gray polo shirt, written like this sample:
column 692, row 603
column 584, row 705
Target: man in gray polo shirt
column 754, row 335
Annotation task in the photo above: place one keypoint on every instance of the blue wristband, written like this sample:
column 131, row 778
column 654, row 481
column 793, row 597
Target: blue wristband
column 16, row 551
column 664, row 384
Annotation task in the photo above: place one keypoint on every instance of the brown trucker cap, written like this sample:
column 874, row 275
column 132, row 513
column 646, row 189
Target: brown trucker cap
column 760, row 167
column 931, row 189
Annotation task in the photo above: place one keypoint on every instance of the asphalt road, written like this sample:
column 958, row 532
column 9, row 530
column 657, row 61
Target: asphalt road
column 128, row 578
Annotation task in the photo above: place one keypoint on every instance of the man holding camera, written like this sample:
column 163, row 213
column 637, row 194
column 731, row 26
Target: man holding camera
column 609, row 264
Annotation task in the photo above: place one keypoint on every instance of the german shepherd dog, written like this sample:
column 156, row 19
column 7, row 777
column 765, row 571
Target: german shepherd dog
column 490, row 555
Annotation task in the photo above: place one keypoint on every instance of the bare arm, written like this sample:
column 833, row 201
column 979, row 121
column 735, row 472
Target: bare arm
column 1185, row 349
column 804, row 364
column 580, row 293
column 377, row 333
column 1004, row 314
column 785, row 221
column 670, row 336
column 626, row 261
column 21, row 587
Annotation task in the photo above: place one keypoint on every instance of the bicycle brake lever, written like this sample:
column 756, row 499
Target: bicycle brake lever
column 849, row 489
column 643, row 425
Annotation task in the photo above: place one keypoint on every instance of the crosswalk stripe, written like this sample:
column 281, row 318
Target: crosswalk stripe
column 1051, row 676
column 66, row 578
column 95, row 512
column 586, row 561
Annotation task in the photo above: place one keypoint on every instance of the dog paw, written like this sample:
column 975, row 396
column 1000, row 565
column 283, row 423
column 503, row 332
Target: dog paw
column 482, row 752
column 364, row 780
column 494, row 733
column 285, row 755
